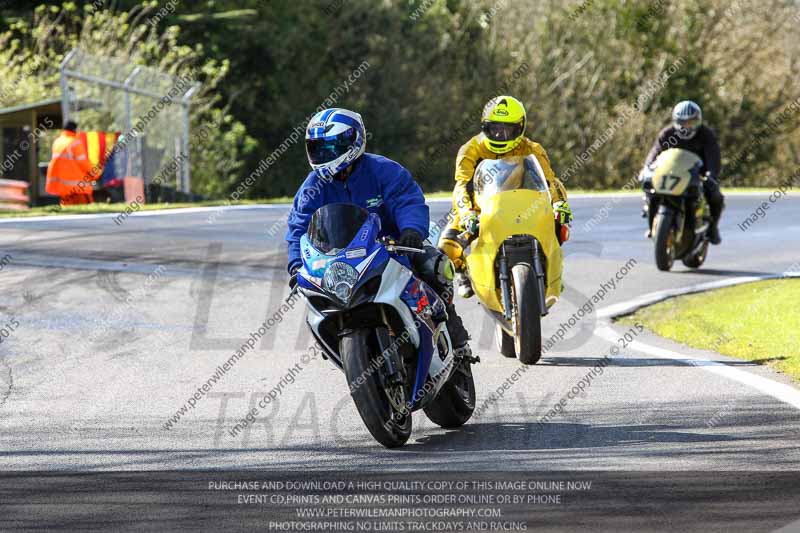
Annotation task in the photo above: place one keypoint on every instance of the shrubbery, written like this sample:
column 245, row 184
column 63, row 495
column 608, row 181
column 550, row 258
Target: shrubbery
column 599, row 77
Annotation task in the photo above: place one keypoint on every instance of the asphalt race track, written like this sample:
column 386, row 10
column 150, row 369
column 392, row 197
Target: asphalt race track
column 116, row 326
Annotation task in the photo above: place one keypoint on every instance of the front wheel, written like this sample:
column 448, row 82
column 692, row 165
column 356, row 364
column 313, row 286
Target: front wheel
column 454, row 404
column 527, row 317
column 388, row 425
column 696, row 260
column 664, row 240
column 504, row 341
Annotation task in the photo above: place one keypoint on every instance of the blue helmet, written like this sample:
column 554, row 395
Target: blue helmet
column 686, row 119
column 335, row 138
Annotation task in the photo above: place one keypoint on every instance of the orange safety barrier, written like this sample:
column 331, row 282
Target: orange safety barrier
column 14, row 195
column 134, row 190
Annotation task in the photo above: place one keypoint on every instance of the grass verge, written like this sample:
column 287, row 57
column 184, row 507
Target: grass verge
column 51, row 210
column 757, row 322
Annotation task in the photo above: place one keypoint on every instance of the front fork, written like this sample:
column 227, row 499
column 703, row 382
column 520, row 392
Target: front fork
column 538, row 268
column 505, row 278
column 393, row 376
column 505, row 286
column 395, row 371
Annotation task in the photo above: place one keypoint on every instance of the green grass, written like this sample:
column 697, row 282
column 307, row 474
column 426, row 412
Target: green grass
column 51, row 210
column 757, row 322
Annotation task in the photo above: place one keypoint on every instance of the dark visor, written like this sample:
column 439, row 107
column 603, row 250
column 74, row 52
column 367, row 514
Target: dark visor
column 502, row 131
column 689, row 123
column 322, row 151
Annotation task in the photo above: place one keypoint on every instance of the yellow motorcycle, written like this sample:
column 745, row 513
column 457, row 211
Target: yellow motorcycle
column 681, row 214
column 515, row 261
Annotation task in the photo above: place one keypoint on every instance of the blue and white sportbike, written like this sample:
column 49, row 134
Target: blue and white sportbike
column 382, row 325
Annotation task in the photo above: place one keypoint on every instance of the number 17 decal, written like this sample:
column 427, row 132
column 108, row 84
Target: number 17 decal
column 675, row 181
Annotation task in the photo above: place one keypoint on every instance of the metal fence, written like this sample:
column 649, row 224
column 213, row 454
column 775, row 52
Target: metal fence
column 148, row 107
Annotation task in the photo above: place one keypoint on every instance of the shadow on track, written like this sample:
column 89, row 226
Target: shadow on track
column 726, row 273
column 526, row 437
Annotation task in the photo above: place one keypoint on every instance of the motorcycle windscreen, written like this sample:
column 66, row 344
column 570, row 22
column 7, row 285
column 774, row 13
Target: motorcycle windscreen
column 507, row 174
column 334, row 226
column 674, row 171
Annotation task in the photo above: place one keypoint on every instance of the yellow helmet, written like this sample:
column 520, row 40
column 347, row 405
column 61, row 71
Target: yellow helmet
column 503, row 124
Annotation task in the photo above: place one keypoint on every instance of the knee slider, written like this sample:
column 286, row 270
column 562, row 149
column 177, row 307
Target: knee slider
column 445, row 271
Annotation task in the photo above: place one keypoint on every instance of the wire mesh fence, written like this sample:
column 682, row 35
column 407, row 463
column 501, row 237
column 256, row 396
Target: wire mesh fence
column 147, row 107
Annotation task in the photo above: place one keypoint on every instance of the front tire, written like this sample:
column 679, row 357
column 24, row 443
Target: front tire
column 455, row 403
column 505, row 342
column 665, row 241
column 527, row 315
column 386, row 424
column 697, row 260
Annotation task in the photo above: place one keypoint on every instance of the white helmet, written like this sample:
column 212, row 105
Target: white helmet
column 335, row 138
column 686, row 119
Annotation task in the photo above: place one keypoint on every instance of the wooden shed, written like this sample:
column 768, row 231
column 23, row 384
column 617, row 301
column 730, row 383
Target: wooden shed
column 21, row 146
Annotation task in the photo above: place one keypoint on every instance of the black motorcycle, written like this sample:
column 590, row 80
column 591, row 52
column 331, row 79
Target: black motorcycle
column 674, row 186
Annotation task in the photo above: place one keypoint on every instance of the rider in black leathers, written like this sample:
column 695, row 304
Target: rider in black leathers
column 688, row 132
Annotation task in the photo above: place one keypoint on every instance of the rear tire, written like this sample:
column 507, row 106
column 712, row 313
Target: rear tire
column 665, row 241
column 697, row 260
column 505, row 342
column 454, row 404
column 383, row 421
column 527, row 315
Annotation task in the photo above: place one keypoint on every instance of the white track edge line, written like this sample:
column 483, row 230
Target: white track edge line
column 780, row 391
column 631, row 306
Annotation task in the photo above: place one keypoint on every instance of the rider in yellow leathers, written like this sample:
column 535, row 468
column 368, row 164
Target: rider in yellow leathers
column 502, row 135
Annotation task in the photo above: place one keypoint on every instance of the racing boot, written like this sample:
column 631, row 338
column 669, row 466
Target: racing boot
column 459, row 336
column 713, row 233
column 463, row 285
column 713, row 230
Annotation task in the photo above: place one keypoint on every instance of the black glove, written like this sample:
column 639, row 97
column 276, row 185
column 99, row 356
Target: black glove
column 410, row 238
column 293, row 277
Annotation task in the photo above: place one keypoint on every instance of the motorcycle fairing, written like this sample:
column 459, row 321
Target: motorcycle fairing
column 421, row 310
column 674, row 170
column 430, row 313
column 508, row 213
column 362, row 252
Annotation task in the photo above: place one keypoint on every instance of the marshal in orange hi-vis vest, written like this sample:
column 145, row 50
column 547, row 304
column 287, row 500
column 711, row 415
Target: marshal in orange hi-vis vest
column 78, row 160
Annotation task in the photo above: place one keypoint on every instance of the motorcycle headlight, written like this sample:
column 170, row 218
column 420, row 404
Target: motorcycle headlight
column 339, row 280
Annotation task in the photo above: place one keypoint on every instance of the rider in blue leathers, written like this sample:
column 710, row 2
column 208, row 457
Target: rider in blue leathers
column 343, row 172
column 375, row 183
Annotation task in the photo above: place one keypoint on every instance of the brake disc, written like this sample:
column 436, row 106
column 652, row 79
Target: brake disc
column 397, row 398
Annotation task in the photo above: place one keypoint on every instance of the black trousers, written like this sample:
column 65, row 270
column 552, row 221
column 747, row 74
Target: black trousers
column 714, row 197
column 432, row 267
column 429, row 266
